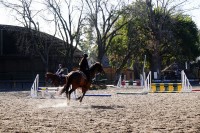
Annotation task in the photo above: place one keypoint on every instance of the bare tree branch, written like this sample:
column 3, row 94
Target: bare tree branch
column 103, row 15
column 68, row 27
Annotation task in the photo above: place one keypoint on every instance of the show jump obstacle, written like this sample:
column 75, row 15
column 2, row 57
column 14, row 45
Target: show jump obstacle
column 45, row 90
column 149, row 87
column 48, row 90
column 34, row 87
column 184, row 86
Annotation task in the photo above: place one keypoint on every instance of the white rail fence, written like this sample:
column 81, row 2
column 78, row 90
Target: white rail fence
column 35, row 86
column 147, row 83
column 186, row 86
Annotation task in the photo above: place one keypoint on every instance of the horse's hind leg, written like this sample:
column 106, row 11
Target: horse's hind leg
column 67, row 93
column 72, row 90
column 77, row 95
column 82, row 96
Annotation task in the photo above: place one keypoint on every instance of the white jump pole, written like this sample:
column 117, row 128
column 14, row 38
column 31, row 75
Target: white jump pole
column 143, row 72
column 147, row 83
column 119, row 84
column 34, row 87
column 186, row 86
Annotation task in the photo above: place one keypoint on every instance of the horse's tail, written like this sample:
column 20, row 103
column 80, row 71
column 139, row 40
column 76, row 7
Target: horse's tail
column 65, row 87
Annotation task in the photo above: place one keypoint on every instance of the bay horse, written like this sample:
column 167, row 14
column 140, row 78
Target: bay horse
column 78, row 80
column 55, row 79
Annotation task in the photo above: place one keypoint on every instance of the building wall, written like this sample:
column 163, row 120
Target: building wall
column 15, row 65
column 110, row 73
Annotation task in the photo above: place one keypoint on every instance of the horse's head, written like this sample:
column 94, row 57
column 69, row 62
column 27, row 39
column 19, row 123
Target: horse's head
column 97, row 67
column 50, row 77
column 47, row 76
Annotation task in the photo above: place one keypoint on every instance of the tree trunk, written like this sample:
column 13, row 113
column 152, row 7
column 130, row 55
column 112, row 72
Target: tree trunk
column 100, row 53
column 118, row 71
column 136, row 69
column 156, row 64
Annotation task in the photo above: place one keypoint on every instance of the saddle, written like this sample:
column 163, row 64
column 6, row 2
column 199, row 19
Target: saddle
column 84, row 75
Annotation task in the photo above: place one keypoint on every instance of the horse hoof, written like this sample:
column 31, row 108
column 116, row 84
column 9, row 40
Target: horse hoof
column 68, row 103
column 78, row 98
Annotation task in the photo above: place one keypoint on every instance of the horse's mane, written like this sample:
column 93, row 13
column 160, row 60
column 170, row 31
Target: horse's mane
column 49, row 73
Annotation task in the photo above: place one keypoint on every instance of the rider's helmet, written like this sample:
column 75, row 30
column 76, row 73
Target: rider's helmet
column 60, row 65
column 85, row 55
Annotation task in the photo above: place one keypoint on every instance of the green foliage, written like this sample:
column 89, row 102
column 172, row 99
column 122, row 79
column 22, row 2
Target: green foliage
column 131, row 39
column 177, row 36
column 187, row 40
column 87, row 44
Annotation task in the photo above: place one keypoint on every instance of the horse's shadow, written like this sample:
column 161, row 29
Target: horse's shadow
column 106, row 107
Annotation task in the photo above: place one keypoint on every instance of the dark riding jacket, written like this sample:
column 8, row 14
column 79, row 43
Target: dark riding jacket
column 84, row 67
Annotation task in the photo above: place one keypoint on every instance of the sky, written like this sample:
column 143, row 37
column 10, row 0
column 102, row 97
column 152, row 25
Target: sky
column 7, row 19
column 195, row 14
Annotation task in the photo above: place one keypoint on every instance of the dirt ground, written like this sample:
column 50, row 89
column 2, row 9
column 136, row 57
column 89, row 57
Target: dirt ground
column 149, row 113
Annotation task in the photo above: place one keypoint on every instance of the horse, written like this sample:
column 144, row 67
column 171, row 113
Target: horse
column 55, row 79
column 78, row 80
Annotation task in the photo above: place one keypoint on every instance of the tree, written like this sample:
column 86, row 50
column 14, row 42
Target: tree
column 87, row 42
column 159, row 39
column 159, row 13
column 128, row 48
column 187, row 41
column 30, row 39
column 69, row 28
column 102, row 15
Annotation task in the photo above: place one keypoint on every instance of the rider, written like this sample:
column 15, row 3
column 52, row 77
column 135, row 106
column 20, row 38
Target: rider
column 84, row 67
column 60, row 71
